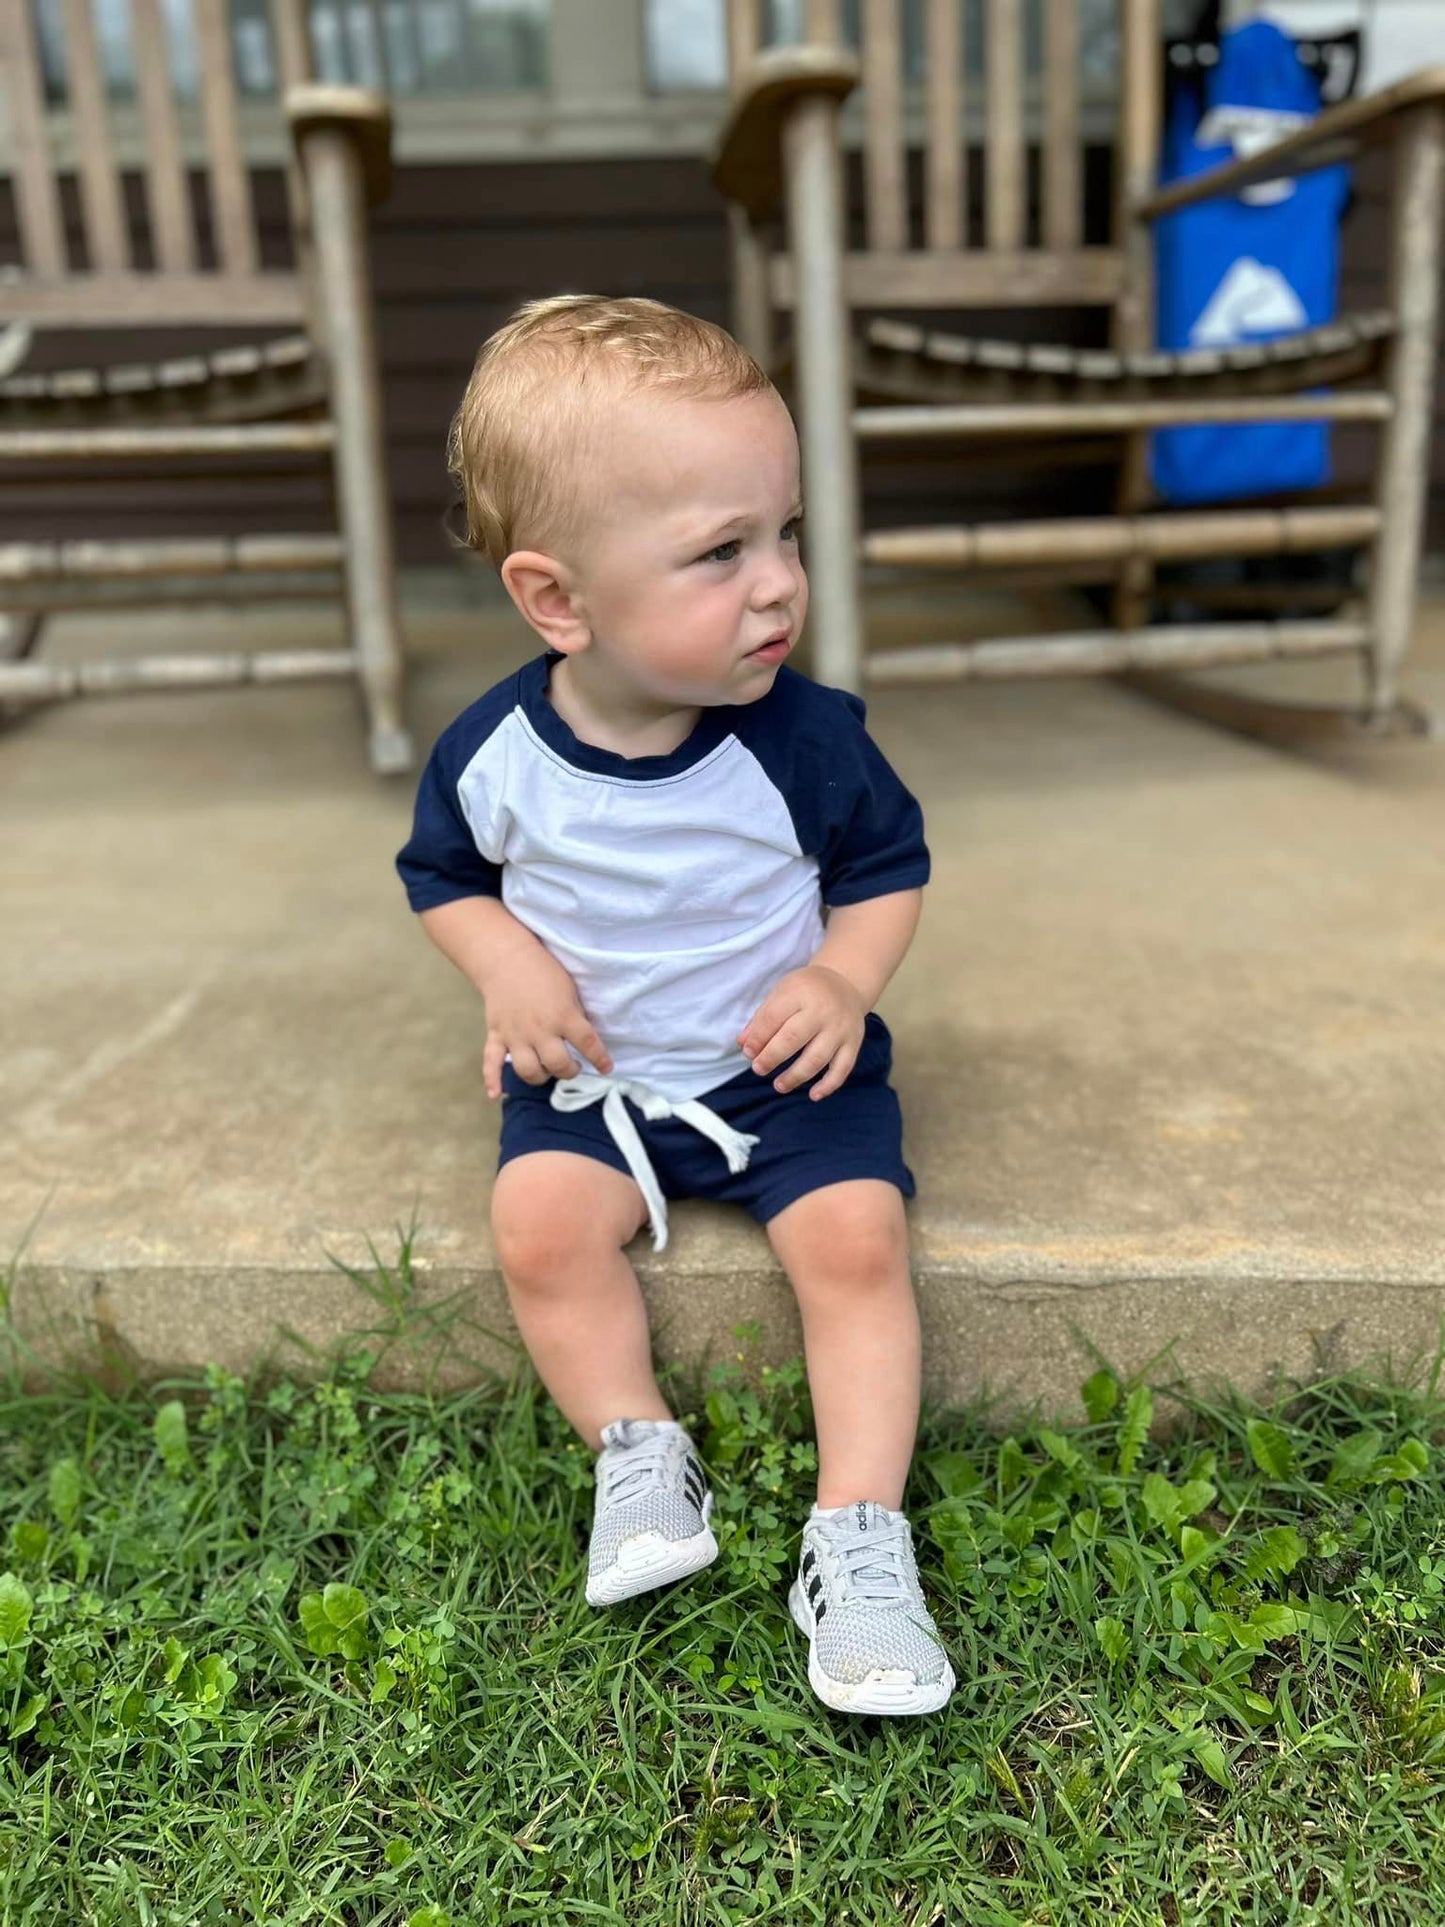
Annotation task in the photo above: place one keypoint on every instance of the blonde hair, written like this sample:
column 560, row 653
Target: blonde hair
column 519, row 442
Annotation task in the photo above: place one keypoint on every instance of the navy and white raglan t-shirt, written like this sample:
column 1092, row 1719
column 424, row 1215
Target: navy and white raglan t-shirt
column 675, row 890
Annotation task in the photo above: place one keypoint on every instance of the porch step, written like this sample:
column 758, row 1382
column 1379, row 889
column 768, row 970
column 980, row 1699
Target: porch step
column 1167, row 1044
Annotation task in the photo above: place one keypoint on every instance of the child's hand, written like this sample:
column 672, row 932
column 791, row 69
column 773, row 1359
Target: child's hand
column 814, row 1010
column 535, row 1013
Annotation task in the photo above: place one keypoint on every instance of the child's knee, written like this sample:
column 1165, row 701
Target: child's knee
column 545, row 1224
column 855, row 1247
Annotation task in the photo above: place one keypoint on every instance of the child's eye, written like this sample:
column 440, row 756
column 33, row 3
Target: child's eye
column 724, row 552
column 791, row 528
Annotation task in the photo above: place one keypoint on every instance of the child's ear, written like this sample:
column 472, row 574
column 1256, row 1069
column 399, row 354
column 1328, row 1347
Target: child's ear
column 540, row 587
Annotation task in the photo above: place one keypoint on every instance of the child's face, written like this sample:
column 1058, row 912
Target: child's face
column 691, row 563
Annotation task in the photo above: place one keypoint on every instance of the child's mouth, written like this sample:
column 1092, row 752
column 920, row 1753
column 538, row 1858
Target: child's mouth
column 773, row 650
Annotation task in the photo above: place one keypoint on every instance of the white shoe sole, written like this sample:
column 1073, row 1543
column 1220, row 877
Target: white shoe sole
column 647, row 1561
column 885, row 1691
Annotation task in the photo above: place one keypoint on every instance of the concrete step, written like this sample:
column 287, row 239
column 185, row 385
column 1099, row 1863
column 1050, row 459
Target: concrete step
column 1169, row 1043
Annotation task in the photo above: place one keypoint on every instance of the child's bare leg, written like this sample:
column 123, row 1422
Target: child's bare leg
column 845, row 1250
column 559, row 1222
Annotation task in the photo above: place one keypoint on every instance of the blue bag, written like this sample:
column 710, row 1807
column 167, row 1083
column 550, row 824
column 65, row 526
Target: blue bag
column 1266, row 263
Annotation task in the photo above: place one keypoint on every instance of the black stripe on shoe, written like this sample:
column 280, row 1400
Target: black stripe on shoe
column 815, row 1587
column 808, row 1563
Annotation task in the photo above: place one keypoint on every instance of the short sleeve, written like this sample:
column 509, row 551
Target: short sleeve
column 441, row 862
column 873, row 827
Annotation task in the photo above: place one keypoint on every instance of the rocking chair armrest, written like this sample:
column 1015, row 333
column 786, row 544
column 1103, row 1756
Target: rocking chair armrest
column 362, row 116
column 748, row 157
column 1331, row 136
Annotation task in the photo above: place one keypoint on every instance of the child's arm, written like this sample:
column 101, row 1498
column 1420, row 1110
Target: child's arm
column 819, row 1010
column 533, row 1010
column 866, row 942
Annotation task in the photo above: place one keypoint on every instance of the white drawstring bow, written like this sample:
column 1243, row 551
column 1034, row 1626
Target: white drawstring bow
column 576, row 1093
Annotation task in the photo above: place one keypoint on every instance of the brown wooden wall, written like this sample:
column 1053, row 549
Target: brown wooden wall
column 457, row 247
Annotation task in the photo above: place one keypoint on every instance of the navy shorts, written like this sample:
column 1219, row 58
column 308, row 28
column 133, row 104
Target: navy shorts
column 854, row 1132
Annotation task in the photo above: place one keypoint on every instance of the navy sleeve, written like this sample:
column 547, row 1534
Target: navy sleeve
column 849, row 808
column 441, row 862
column 873, row 841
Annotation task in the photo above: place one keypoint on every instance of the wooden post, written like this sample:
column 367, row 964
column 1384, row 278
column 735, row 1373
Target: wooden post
column 167, row 191
column 752, row 302
column 945, row 196
column 338, row 208
column 1136, row 166
column 1404, row 456
column 813, row 166
column 107, row 232
column 1004, row 184
column 295, row 67
column 37, row 199
column 885, row 186
column 19, row 633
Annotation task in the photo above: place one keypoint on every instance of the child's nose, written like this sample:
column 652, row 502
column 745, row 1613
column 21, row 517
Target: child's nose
column 776, row 583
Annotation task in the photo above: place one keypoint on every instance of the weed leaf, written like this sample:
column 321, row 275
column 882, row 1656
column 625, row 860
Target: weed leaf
column 172, row 1440
column 1100, row 1395
column 65, row 1490
column 15, row 1608
column 1270, row 1449
column 1354, row 1456
column 1138, row 1416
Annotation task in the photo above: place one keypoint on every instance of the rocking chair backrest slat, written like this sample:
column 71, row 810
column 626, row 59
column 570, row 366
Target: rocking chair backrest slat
column 822, row 20
column 172, row 284
column 42, row 234
column 743, row 37
column 378, row 41
column 1062, row 209
column 293, row 42
column 1140, row 111
column 231, row 211
column 1004, row 179
column 294, row 68
column 107, row 236
column 943, row 193
column 885, row 186
column 167, row 193
column 1050, row 265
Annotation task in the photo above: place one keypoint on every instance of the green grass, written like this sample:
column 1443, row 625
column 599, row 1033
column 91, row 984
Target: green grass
column 314, row 1652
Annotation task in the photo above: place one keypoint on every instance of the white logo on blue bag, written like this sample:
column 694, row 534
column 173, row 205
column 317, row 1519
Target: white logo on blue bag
column 1252, row 299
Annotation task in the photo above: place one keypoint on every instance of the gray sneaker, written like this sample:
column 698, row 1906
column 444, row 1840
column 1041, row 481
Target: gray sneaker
column 872, row 1644
column 650, row 1524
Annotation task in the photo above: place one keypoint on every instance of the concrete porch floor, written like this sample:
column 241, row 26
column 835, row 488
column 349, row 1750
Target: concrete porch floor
column 1169, row 1043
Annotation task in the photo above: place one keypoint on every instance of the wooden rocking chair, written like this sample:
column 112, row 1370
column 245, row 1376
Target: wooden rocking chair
column 781, row 149
column 312, row 393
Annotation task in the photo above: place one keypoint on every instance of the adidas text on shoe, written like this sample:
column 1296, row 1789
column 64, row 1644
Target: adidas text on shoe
column 650, row 1522
column 872, row 1644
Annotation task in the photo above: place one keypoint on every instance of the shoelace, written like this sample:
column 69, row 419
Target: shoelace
column 575, row 1093
column 874, row 1567
column 638, row 1468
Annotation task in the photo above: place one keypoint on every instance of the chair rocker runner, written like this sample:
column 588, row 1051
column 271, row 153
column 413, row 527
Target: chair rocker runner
column 310, row 394
column 781, row 154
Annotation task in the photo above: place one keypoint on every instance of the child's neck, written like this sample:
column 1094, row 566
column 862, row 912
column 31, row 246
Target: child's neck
column 610, row 715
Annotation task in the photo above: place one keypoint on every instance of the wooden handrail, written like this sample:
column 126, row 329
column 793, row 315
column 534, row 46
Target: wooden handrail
column 747, row 159
column 357, row 112
column 1331, row 136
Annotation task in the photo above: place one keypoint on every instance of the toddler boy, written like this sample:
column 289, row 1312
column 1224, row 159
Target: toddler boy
column 680, row 873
